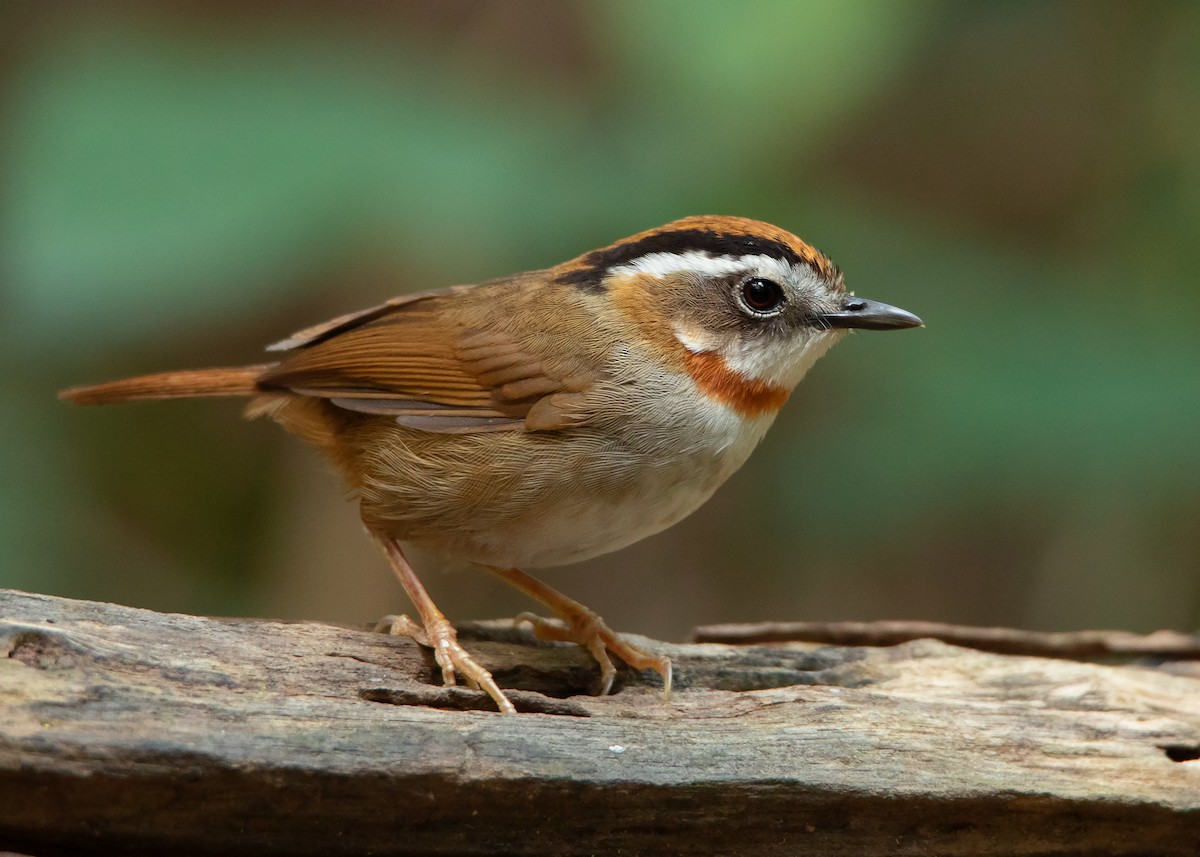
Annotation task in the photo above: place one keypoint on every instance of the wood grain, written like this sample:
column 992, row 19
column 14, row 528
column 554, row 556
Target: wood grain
column 124, row 730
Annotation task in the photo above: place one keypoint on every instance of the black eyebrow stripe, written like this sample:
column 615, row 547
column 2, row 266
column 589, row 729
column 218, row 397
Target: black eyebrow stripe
column 596, row 264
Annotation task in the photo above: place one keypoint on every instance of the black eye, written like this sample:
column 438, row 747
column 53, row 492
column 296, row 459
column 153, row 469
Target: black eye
column 761, row 296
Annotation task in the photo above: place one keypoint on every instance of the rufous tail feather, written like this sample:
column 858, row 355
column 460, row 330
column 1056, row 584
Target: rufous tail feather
column 234, row 381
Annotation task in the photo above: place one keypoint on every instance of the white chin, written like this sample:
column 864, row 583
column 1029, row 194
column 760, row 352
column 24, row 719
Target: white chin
column 783, row 363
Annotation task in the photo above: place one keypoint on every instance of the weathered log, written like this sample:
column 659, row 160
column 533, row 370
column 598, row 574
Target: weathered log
column 134, row 732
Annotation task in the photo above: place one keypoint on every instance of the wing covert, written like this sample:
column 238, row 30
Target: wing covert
column 412, row 360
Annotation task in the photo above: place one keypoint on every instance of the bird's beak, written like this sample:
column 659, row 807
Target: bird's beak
column 869, row 315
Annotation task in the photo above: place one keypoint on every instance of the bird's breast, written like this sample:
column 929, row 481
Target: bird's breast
column 623, row 481
column 652, row 451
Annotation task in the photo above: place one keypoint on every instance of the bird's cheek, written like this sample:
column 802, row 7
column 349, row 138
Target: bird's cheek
column 696, row 338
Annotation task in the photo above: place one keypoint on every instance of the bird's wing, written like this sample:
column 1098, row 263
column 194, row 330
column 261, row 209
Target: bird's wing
column 417, row 360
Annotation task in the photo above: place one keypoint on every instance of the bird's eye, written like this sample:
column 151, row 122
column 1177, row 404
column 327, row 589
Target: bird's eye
column 761, row 296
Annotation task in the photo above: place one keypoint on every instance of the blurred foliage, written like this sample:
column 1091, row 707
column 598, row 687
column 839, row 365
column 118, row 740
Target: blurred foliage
column 183, row 185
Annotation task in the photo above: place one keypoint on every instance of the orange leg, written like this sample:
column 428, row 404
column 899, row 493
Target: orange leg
column 435, row 630
column 581, row 625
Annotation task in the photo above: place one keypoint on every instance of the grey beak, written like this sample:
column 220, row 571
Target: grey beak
column 869, row 315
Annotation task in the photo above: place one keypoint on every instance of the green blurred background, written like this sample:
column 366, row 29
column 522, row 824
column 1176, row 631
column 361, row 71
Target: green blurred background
column 184, row 182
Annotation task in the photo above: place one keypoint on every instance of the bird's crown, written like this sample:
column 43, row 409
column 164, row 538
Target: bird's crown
column 694, row 242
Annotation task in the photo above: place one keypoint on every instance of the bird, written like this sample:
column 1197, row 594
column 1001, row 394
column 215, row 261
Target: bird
column 550, row 416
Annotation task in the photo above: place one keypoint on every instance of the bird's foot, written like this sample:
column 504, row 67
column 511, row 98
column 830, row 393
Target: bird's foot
column 583, row 626
column 450, row 656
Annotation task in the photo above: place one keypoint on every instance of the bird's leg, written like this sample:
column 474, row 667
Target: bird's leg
column 581, row 625
column 435, row 630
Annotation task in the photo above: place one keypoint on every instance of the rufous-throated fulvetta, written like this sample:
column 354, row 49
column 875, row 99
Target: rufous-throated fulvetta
column 551, row 416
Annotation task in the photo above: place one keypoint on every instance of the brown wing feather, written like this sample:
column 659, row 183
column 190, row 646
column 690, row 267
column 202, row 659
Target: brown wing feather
column 414, row 360
column 320, row 332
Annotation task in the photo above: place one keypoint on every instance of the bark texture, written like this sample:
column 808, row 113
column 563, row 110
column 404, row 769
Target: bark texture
column 124, row 730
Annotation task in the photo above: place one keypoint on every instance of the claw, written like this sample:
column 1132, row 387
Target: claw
column 436, row 632
column 450, row 656
column 588, row 630
column 402, row 626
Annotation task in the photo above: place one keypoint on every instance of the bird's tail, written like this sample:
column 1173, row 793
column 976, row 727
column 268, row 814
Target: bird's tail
column 234, row 381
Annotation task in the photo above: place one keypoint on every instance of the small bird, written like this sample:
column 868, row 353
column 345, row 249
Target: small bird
column 551, row 416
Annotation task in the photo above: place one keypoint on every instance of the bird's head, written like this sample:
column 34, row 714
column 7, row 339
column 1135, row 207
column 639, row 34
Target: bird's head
column 744, row 307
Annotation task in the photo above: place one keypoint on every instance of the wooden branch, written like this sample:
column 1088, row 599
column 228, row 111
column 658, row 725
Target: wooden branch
column 1006, row 641
column 133, row 732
